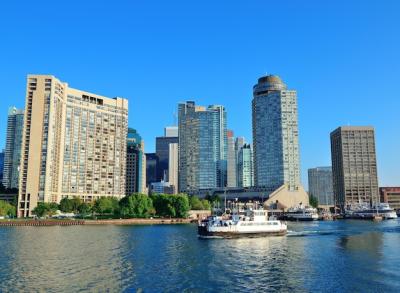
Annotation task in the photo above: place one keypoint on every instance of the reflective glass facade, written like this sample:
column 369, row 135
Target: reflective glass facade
column 202, row 146
column 275, row 134
column 12, row 155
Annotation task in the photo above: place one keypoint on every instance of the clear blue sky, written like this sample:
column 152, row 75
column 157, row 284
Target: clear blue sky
column 343, row 58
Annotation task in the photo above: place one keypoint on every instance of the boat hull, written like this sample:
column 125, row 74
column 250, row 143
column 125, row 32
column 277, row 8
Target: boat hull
column 204, row 233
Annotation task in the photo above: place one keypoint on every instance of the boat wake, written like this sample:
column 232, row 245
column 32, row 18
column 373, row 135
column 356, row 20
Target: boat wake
column 210, row 237
column 308, row 233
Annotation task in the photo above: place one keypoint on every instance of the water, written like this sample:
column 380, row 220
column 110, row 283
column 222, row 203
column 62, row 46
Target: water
column 340, row 256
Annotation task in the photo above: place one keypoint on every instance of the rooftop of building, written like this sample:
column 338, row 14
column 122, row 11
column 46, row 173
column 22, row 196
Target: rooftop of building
column 268, row 83
column 270, row 79
column 353, row 128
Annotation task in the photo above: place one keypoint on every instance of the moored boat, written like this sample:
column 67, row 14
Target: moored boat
column 250, row 223
column 365, row 211
column 301, row 213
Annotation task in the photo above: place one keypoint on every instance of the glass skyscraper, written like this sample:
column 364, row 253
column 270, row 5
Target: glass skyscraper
column 320, row 184
column 245, row 166
column 1, row 165
column 202, row 146
column 12, row 154
column 135, row 163
column 162, row 151
column 275, row 134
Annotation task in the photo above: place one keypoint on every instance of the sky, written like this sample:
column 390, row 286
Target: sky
column 342, row 57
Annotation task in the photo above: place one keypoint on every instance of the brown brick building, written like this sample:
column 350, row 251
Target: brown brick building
column 391, row 195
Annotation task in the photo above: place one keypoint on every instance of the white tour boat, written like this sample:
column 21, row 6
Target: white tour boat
column 302, row 213
column 365, row 211
column 250, row 223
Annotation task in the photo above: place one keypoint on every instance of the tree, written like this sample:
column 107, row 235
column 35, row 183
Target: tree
column 75, row 203
column 136, row 205
column 45, row 209
column 181, row 205
column 206, row 204
column 84, row 209
column 163, row 205
column 66, row 205
column 106, row 205
column 195, row 203
column 313, row 201
column 7, row 209
column 213, row 199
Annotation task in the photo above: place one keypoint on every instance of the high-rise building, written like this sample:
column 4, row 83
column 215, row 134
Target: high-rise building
column 171, row 131
column 245, row 166
column 231, row 160
column 162, row 152
column 74, row 144
column 354, row 169
column 151, row 168
column 173, row 166
column 202, row 146
column 135, row 163
column 275, row 134
column 239, row 143
column 320, row 185
column 1, row 165
column 12, row 155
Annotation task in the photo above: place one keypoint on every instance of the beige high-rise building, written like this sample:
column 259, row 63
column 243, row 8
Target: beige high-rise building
column 173, row 166
column 74, row 144
column 354, row 170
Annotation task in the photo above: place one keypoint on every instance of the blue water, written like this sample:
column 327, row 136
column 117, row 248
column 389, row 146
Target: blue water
column 340, row 256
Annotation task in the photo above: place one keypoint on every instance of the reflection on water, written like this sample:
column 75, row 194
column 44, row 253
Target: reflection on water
column 341, row 256
column 63, row 259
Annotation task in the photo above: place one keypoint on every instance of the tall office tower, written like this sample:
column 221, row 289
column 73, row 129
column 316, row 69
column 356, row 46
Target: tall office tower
column 245, row 166
column 162, row 151
column 354, row 170
column 239, row 143
column 173, row 166
column 151, row 168
column 1, row 165
column 320, row 185
column 12, row 155
column 74, row 144
column 275, row 134
column 135, row 159
column 202, row 146
column 231, row 160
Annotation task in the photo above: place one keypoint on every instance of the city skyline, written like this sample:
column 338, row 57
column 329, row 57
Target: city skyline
column 340, row 69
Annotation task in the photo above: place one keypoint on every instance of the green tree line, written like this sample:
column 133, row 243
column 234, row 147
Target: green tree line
column 7, row 209
column 133, row 206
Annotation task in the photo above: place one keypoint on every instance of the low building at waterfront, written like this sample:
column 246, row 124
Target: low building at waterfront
column 282, row 197
column 390, row 195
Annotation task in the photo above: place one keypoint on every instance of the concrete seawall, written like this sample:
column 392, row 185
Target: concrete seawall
column 13, row 223
column 137, row 221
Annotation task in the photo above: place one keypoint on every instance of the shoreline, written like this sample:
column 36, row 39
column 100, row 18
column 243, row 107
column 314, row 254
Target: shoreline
column 73, row 222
